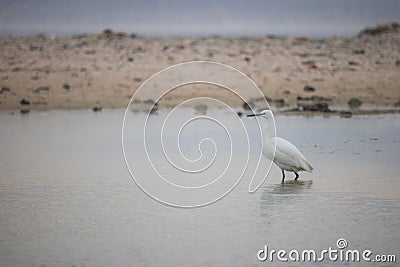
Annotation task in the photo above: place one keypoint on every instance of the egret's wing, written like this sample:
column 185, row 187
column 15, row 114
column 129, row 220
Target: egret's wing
column 287, row 154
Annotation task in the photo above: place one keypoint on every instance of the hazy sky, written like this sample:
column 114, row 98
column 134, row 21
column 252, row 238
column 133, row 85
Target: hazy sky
column 209, row 17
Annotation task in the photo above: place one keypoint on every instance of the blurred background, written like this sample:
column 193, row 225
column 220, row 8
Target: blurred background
column 177, row 17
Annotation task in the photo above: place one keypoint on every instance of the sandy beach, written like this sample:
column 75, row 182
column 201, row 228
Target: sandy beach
column 104, row 70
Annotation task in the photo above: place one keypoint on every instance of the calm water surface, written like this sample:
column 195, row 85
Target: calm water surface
column 67, row 199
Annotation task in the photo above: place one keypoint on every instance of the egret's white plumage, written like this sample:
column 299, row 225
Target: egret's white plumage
column 287, row 156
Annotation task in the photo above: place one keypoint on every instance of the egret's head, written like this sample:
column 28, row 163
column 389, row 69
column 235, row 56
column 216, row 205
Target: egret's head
column 266, row 113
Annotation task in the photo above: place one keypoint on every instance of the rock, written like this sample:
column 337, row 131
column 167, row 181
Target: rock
column 379, row 29
column 41, row 89
column 353, row 63
column 345, row 114
column 108, row 31
column 314, row 98
column 109, row 34
column 66, row 86
column 320, row 99
column 354, row 103
column 24, row 111
column 303, row 98
column 359, row 52
column 96, row 109
column 4, row 90
column 247, row 59
column 130, row 59
column 25, row 102
column 239, row 113
column 315, row 107
column 308, row 89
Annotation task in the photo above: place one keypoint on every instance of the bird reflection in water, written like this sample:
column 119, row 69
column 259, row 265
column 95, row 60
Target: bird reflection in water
column 279, row 195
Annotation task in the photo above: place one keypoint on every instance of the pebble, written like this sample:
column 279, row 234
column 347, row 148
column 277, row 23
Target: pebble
column 4, row 90
column 315, row 107
column 359, row 52
column 97, row 109
column 308, row 89
column 41, row 89
column 314, row 98
column 345, row 114
column 24, row 102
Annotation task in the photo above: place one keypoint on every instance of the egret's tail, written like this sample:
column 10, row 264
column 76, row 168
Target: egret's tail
column 307, row 166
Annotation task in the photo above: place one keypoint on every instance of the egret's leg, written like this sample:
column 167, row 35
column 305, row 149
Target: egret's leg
column 297, row 176
column 283, row 176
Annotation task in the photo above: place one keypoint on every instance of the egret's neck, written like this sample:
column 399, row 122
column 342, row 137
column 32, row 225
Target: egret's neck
column 268, row 131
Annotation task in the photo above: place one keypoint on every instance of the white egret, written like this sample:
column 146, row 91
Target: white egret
column 287, row 156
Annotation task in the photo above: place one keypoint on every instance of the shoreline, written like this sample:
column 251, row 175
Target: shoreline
column 333, row 113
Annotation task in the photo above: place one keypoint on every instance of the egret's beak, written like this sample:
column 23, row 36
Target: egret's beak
column 253, row 115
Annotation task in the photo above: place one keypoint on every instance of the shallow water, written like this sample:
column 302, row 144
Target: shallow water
column 67, row 199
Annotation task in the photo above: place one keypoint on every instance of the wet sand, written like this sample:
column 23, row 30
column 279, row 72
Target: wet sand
column 295, row 74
